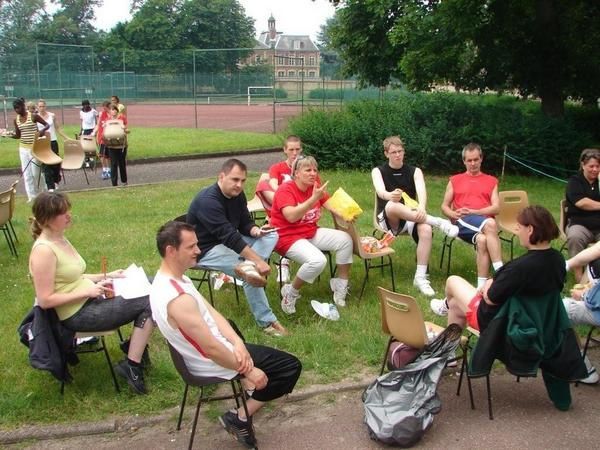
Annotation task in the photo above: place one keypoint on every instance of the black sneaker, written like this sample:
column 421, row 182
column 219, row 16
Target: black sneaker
column 146, row 363
column 242, row 431
column 134, row 376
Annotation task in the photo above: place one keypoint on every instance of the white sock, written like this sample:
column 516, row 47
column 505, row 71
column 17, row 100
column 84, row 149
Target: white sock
column 481, row 281
column 421, row 271
column 433, row 221
column 293, row 290
column 496, row 265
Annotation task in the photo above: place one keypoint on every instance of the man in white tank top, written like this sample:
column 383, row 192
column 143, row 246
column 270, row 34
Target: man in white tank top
column 209, row 345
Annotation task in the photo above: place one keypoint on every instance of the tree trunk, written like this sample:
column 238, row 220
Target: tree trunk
column 550, row 56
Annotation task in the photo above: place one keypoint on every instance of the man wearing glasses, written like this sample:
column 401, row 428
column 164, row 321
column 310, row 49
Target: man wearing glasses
column 402, row 206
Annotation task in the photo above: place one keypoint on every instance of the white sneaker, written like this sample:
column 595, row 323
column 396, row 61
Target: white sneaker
column 448, row 228
column 288, row 299
column 283, row 275
column 423, row 284
column 439, row 306
column 340, row 290
column 592, row 377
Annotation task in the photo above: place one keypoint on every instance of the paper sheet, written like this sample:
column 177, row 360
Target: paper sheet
column 135, row 284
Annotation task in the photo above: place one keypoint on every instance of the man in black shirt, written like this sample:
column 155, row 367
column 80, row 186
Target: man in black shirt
column 231, row 242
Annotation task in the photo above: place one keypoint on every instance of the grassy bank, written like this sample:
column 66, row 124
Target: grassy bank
column 121, row 223
column 156, row 142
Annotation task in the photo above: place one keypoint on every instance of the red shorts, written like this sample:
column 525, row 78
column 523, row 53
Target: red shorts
column 472, row 311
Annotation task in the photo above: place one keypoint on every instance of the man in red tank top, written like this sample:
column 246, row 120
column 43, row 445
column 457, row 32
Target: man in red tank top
column 471, row 201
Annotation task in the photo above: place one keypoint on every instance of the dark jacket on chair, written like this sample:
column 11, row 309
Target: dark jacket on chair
column 529, row 333
column 51, row 345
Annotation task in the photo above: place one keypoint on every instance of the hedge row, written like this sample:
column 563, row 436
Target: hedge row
column 435, row 127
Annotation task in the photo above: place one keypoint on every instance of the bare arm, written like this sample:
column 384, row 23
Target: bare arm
column 273, row 183
column 587, row 204
column 17, row 133
column 379, row 185
column 36, row 118
column 585, row 256
column 185, row 315
column 294, row 213
column 42, row 264
column 447, row 203
column 420, row 188
column 59, row 129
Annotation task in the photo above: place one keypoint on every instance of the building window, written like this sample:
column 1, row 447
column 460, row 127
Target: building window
column 291, row 73
column 281, row 73
column 311, row 60
column 281, row 60
column 257, row 59
column 300, row 61
column 301, row 73
column 311, row 74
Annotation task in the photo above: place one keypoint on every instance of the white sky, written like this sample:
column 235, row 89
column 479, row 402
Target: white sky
column 291, row 16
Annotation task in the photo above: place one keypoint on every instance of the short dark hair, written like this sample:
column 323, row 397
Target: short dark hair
column 18, row 102
column 291, row 138
column 85, row 103
column 170, row 234
column 231, row 163
column 544, row 225
column 471, row 147
column 116, row 97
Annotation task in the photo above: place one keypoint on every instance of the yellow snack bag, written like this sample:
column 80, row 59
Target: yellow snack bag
column 408, row 201
column 343, row 205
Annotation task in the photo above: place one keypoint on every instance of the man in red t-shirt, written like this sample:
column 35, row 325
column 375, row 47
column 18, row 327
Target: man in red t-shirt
column 471, row 201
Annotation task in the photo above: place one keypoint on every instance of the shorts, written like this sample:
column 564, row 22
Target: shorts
column 579, row 313
column 103, row 151
column 470, row 226
column 472, row 311
column 404, row 226
column 87, row 131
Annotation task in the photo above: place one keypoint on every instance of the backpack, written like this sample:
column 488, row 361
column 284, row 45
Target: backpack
column 400, row 405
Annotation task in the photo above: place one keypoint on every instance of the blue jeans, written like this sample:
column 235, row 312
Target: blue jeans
column 224, row 259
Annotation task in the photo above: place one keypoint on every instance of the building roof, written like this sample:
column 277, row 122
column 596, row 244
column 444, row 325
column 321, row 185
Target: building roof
column 288, row 42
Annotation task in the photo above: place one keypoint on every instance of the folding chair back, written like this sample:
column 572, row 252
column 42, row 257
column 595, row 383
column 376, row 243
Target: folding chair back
column 74, row 157
column 562, row 225
column 402, row 319
column 376, row 225
column 42, row 151
column 256, row 207
column 5, row 214
column 88, row 143
column 511, row 203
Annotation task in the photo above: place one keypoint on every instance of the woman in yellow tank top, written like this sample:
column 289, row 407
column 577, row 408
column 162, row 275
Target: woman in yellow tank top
column 60, row 282
column 25, row 130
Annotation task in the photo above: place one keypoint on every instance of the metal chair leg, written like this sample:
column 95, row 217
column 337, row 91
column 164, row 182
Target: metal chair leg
column 182, row 407
column 200, row 398
column 392, row 273
column 110, row 366
column 489, row 396
column 387, row 349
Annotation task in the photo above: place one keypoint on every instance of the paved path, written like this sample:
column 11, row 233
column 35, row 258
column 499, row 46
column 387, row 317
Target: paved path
column 139, row 172
column 524, row 419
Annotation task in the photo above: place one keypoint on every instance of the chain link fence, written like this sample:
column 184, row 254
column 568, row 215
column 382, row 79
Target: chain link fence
column 63, row 75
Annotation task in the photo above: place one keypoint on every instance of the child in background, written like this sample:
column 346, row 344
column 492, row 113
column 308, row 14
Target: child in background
column 88, row 116
column 118, row 155
column 99, row 132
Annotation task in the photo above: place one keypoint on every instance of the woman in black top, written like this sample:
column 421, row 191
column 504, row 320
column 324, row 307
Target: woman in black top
column 538, row 272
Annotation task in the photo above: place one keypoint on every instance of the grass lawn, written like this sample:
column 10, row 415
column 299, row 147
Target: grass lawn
column 156, row 142
column 121, row 224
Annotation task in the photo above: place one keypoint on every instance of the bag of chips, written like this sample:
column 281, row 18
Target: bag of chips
column 343, row 205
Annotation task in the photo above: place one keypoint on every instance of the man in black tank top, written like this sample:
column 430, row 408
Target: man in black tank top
column 401, row 206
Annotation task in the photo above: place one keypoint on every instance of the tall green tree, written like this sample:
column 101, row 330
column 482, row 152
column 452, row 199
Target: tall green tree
column 185, row 24
column 18, row 19
column 545, row 48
